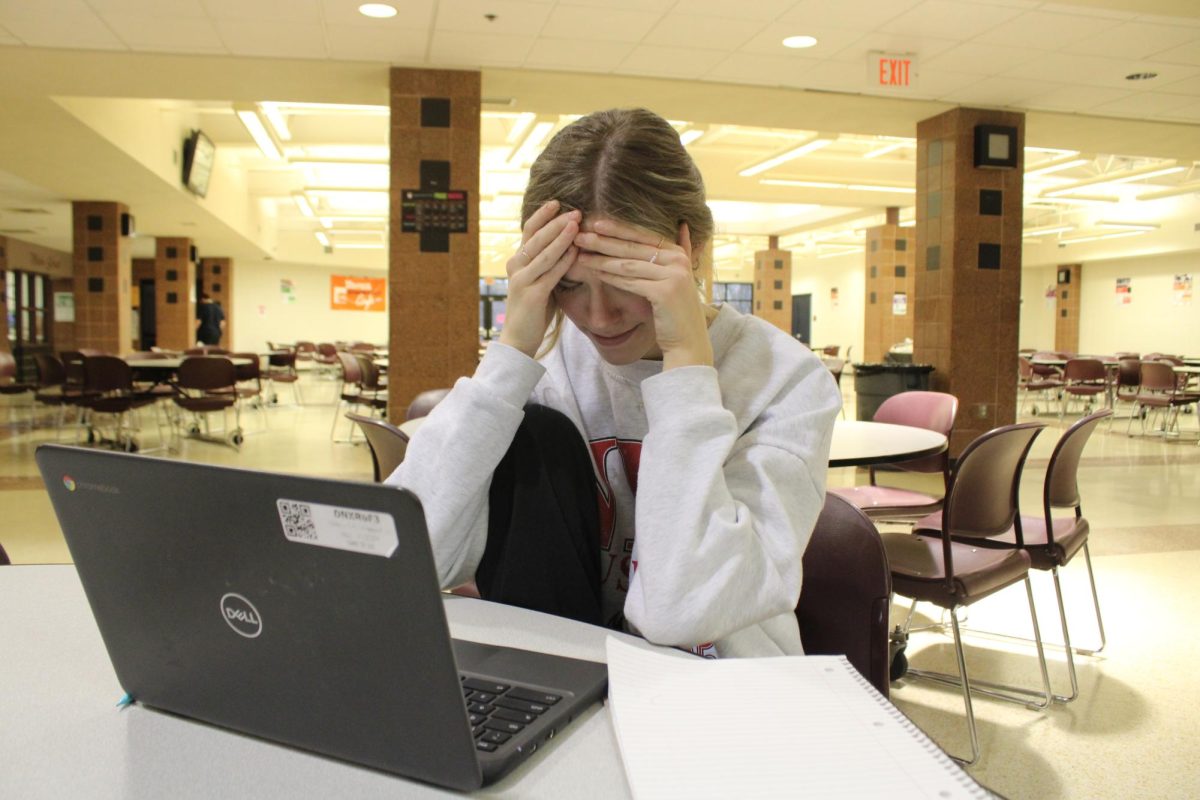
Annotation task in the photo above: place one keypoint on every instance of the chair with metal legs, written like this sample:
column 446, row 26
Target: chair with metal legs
column 937, row 567
column 1053, row 541
column 387, row 442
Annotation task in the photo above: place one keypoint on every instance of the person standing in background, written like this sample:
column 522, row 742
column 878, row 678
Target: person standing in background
column 210, row 321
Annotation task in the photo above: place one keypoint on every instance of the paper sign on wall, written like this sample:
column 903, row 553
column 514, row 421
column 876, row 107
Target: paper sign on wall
column 899, row 304
column 833, row 297
column 1182, row 294
column 357, row 294
column 287, row 291
column 64, row 307
column 1124, row 291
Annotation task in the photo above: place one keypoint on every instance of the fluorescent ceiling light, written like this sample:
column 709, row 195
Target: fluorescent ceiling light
column 691, row 135
column 377, row 10
column 816, row 143
column 1046, row 230
column 887, row 148
column 1183, row 188
column 520, row 127
column 360, row 245
column 858, row 187
column 1081, row 200
column 302, row 203
column 523, row 152
column 908, row 223
column 277, row 119
column 250, row 117
column 1129, row 226
column 322, row 238
column 799, row 42
column 1080, row 239
column 1052, row 150
column 1127, row 176
column 1055, row 166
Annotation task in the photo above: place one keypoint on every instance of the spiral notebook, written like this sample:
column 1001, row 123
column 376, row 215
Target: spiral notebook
column 807, row 726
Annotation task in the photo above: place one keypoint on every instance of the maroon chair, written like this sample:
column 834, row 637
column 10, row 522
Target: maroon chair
column 109, row 390
column 388, row 443
column 938, row 567
column 1083, row 377
column 249, row 382
column 846, row 592
column 205, row 384
column 1032, row 380
column 281, row 368
column 1159, row 389
column 424, row 402
column 933, row 411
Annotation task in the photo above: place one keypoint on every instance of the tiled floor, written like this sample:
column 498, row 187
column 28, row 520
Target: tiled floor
column 1132, row 732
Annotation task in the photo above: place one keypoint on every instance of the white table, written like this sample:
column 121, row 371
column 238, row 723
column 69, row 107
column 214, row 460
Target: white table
column 859, row 444
column 62, row 736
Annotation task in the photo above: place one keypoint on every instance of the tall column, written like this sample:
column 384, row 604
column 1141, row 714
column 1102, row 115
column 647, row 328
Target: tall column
column 102, row 267
column 968, row 231
column 1066, row 309
column 890, row 286
column 4, row 346
column 773, row 285
column 216, row 278
column 174, row 306
column 433, row 258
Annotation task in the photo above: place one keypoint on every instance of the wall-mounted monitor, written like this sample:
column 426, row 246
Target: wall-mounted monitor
column 198, row 154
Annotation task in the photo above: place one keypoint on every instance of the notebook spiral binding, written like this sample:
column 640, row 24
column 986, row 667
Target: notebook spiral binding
column 939, row 755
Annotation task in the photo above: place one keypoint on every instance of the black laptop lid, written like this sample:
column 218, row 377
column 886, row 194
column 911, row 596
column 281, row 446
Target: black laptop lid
column 226, row 595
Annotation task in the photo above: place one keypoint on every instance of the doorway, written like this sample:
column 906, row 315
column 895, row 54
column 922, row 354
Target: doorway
column 147, row 326
column 802, row 318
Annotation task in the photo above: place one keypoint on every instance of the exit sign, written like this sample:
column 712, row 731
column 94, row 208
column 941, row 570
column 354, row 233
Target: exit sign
column 895, row 71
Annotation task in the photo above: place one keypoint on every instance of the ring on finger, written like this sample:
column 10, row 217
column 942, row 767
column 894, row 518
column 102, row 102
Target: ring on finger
column 527, row 256
column 654, row 258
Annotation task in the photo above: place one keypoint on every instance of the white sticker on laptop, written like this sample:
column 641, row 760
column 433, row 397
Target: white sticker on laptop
column 353, row 529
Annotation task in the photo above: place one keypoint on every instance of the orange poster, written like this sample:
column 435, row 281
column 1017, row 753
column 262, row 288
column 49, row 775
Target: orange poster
column 357, row 294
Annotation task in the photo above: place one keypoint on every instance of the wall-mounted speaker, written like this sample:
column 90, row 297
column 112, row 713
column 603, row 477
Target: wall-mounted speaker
column 127, row 228
column 192, row 255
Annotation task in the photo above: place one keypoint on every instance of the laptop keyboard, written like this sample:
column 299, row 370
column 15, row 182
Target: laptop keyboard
column 500, row 711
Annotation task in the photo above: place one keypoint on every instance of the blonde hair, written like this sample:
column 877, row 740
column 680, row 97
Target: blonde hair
column 628, row 165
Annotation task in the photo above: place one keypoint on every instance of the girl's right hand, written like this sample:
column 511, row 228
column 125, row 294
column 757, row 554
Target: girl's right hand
column 545, row 255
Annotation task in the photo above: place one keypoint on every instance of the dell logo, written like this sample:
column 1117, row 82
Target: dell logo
column 241, row 615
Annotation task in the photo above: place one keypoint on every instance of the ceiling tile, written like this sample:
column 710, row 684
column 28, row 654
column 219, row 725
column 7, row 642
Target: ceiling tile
column 924, row 47
column 362, row 43
column 1046, row 31
column 1075, row 98
column 410, row 14
column 1162, row 19
column 829, row 40
column 752, row 68
column 599, row 24
column 476, row 50
column 7, row 38
column 1097, row 71
column 952, row 20
column 999, row 91
column 1144, row 103
column 153, row 32
column 932, row 83
column 512, row 17
column 669, row 62
column 702, row 33
column 1183, row 54
column 286, row 12
column 58, row 23
column 1091, row 11
column 1188, row 86
column 661, row 6
column 1190, row 113
column 835, row 76
column 158, row 8
column 976, row 58
column 251, row 37
column 858, row 15
column 762, row 10
column 567, row 54
column 1133, row 40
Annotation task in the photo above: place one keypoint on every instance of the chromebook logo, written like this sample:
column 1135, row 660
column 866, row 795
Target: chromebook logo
column 69, row 482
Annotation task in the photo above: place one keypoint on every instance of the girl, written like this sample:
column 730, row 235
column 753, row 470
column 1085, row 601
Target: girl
column 624, row 454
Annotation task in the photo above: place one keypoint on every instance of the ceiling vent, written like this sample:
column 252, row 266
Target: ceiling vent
column 26, row 211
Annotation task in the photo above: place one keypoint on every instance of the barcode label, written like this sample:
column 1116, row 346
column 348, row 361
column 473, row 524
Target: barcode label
column 297, row 520
column 358, row 530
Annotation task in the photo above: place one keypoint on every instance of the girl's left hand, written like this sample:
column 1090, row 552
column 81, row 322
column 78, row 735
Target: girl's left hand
column 645, row 264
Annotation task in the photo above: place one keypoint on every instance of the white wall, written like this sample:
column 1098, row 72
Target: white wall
column 261, row 313
column 1037, row 311
column 841, row 324
column 1153, row 321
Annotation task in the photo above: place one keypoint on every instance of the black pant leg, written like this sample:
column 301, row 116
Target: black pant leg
column 543, row 547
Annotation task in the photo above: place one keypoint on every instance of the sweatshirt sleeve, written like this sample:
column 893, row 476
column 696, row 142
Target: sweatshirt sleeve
column 722, row 519
column 451, row 458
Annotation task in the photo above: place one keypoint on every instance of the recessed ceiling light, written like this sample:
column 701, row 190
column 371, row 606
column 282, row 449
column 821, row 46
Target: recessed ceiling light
column 1141, row 76
column 799, row 42
column 377, row 10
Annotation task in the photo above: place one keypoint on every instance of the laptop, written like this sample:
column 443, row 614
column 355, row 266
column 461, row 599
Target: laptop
column 301, row 610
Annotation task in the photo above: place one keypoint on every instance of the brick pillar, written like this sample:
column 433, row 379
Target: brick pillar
column 1066, row 309
column 216, row 278
column 773, row 285
column 102, row 267
column 433, row 258
column 968, row 265
column 888, row 319
column 174, row 306
column 4, row 346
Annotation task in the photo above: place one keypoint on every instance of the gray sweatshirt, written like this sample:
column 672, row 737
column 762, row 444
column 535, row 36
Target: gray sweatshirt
column 719, row 470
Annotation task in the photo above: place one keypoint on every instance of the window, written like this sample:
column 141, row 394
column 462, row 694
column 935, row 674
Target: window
column 738, row 295
column 27, row 293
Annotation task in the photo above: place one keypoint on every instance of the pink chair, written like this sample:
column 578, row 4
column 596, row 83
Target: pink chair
column 1031, row 381
column 1083, row 377
column 933, row 411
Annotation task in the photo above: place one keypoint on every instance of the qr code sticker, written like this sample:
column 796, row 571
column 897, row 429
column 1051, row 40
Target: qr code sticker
column 297, row 520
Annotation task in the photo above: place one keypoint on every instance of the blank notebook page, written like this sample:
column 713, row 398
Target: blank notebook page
column 795, row 726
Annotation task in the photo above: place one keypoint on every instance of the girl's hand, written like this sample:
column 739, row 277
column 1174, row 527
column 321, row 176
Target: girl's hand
column 643, row 263
column 545, row 255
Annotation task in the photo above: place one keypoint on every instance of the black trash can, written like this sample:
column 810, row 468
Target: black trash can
column 874, row 383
